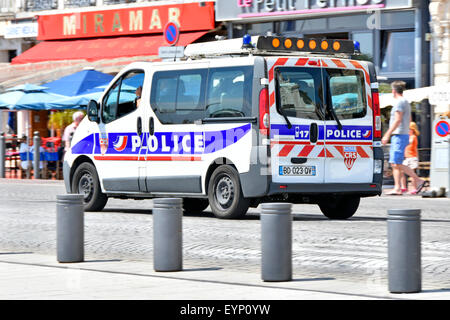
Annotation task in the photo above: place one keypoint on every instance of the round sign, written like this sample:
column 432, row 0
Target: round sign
column 442, row 128
column 171, row 33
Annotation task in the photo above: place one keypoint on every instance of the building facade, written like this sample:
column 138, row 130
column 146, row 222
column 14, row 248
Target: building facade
column 440, row 25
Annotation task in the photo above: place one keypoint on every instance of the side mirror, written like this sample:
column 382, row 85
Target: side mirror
column 92, row 111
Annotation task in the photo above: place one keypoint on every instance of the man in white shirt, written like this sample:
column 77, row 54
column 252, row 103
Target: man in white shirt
column 398, row 132
column 70, row 129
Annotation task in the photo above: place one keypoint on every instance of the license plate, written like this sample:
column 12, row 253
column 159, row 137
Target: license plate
column 297, row 170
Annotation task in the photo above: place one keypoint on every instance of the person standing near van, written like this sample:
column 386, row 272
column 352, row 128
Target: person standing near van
column 398, row 133
column 411, row 155
column 70, row 129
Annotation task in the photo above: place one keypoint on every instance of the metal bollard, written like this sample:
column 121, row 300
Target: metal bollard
column 70, row 228
column 276, row 242
column 167, row 234
column 36, row 155
column 404, row 253
column 2, row 155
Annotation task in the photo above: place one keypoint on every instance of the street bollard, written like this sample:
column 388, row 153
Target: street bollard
column 276, row 242
column 70, row 228
column 167, row 234
column 2, row 155
column 404, row 253
column 36, row 155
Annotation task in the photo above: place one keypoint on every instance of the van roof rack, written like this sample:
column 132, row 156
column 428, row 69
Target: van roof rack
column 272, row 45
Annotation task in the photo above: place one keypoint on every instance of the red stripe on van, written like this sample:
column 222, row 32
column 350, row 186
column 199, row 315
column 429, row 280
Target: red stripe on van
column 361, row 152
column 306, row 151
column 339, row 63
column 286, row 150
column 301, row 61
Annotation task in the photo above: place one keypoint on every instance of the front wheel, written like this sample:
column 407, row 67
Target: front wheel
column 339, row 208
column 225, row 195
column 85, row 181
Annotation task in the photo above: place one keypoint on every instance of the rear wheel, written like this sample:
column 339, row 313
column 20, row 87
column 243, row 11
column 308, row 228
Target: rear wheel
column 225, row 194
column 85, row 181
column 194, row 205
column 339, row 208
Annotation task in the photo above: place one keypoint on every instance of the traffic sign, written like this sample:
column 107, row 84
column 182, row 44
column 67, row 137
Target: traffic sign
column 171, row 33
column 442, row 128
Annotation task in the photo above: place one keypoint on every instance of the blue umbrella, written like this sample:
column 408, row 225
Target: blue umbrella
column 79, row 83
column 75, row 102
column 27, row 97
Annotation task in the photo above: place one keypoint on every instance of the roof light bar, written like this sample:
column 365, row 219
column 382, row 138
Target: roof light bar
column 294, row 44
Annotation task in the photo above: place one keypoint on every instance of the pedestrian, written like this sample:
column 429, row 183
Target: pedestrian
column 398, row 133
column 70, row 129
column 411, row 156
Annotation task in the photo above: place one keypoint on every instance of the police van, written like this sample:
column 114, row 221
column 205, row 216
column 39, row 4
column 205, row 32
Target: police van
column 235, row 123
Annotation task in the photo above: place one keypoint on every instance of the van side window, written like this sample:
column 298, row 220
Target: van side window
column 229, row 92
column 348, row 94
column 299, row 92
column 179, row 96
column 123, row 97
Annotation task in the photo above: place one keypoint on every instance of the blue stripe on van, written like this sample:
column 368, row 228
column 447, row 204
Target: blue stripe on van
column 161, row 142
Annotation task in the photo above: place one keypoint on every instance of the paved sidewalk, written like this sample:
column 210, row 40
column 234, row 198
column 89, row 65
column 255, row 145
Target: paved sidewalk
column 26, row 275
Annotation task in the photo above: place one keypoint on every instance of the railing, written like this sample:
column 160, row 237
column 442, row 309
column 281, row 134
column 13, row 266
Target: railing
column 79, row 3
column 7, row 6
column 38, row 5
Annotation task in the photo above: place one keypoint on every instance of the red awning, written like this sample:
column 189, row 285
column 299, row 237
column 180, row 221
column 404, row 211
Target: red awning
column 102, row 48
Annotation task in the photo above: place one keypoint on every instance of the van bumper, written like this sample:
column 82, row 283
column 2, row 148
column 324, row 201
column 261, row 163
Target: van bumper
column 361, row 189
column 66, row 175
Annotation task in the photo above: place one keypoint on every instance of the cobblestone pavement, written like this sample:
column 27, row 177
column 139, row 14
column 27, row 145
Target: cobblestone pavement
column 355, row 249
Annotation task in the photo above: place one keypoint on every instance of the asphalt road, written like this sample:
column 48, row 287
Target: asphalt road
column 354, row 249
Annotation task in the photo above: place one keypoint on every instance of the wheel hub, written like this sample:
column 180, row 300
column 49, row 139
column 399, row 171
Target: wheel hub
column 86, row 186
column 225, row 191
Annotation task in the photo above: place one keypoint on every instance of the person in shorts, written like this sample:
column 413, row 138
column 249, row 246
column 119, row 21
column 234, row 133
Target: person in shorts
column 398, row 133
column 411, row 155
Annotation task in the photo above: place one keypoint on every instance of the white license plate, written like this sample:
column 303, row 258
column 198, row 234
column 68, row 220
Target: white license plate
column 297, row 170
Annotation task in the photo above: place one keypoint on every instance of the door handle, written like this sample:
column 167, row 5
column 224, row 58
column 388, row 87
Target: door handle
column 299, row 160
column 313, row 132
column 151, row 126
column 139, row 126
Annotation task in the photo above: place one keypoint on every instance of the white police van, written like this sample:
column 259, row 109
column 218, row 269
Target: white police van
column 237, row 123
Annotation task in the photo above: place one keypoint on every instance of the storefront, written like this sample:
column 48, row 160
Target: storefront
column 103, row 38
column 392, row 33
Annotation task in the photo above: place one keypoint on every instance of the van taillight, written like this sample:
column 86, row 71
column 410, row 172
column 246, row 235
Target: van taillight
column 376, row 114
column 264, row 112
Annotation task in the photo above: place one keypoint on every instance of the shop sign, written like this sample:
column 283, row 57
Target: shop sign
column 21, row 30
column 194, row 16
column 228, row 10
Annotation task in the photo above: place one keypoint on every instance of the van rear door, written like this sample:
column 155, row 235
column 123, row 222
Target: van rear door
column 349, row 122
column 296, row 98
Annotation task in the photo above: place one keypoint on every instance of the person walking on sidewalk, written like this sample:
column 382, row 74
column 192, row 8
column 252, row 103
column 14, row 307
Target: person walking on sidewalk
column 411, row 156
column 398, row 133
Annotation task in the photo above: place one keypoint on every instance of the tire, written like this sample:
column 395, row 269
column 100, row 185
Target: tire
column 225, row 194
column 85, row 181
column 339, row 208
column 194, row 205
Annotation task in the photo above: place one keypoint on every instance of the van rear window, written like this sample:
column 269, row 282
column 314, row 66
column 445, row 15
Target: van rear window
column 347, row 93
column 301, row 94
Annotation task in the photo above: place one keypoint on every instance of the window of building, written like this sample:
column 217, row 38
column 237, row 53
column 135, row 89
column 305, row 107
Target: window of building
column 122, row 98
column 397, row 51
column 365, row 40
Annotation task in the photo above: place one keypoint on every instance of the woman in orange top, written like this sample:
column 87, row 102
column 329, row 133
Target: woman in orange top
column 411, row 156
